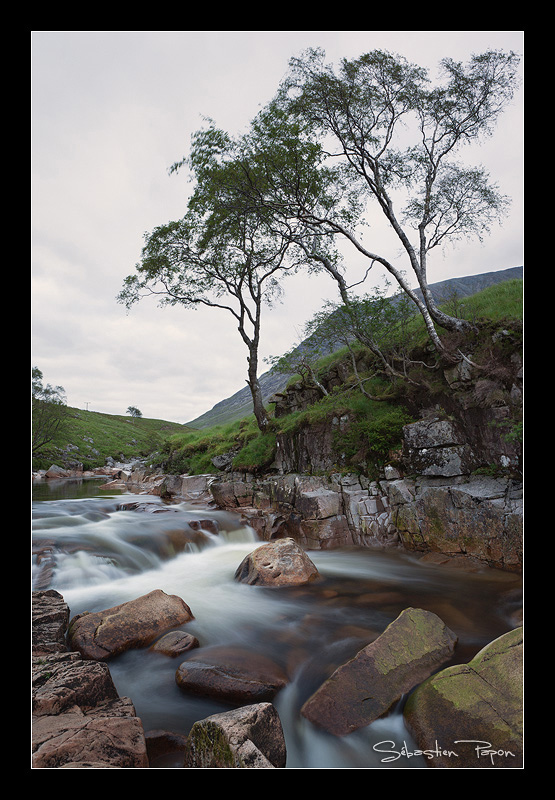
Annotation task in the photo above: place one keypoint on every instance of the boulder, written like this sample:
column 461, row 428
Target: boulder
column 175, row 643
column 368, row 686
column 250, row 737
column 78, row 719
column 279, row 563
column 54, row 471
column 63, row 680
column 50, row 618
column 473, row 710
column 231, row 674
column 109, row 735
column 137, row 623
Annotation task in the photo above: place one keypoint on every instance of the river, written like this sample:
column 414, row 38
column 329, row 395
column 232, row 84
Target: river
column 101, row 556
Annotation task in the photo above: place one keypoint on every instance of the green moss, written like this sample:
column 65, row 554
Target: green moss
column 209, row 748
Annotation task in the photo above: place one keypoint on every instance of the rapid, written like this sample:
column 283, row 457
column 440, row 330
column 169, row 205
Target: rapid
column 99, row 555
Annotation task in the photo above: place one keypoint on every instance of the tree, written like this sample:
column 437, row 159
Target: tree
column 385, row 134
column 49, row 412
column 382, row 325
column 134, row 412
column 222, row 254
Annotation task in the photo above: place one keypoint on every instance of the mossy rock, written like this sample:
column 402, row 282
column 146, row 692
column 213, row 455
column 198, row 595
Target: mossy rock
column 474, row 711
column 368, row 686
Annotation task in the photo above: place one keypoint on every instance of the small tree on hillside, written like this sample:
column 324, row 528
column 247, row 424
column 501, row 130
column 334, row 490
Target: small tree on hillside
column 382, row 325
column 49, row 413
column 134, row 412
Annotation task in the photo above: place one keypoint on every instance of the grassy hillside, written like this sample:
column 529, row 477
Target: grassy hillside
column 381, row 422
column 90, row 437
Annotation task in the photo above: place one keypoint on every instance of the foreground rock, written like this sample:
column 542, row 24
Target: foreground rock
column 231, row 674
column 250, row 737
column 50, row 618
column 473, row 710
column 279, row 563
column 78, row 719
column 137, row 623
column 410, row 649
column 99, row 729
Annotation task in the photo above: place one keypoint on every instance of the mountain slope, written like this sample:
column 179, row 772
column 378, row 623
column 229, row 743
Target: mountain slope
column 239, row 405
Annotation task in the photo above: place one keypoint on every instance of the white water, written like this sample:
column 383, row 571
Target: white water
column 102, row 556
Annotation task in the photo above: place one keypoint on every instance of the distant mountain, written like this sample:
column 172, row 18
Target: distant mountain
column 239, row 405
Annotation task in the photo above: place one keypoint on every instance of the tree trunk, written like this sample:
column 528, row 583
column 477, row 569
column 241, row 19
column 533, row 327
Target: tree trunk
column 260, row 413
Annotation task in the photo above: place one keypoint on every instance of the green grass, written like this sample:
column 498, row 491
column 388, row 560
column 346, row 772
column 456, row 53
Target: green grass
column 192, row 451
column 496, row 303
column 374, row 431
column 90, row 437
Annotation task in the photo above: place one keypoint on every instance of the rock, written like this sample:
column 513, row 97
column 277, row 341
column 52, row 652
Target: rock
column 319, row 504
column 479, row 517
column 250, row 737
column 50, row 617
column 64, row 680
column 436, row 447
column 79, row 721
column 175, row 643
column 474, row 709
column 326, row 534
column 278, row 563
column 110, row 734
column 367, row 687
column 137, row 623
column 196, row 487
column 311, row 449
column 160, row 743
column 231, row 493
column 231, row 674
column 56, row 472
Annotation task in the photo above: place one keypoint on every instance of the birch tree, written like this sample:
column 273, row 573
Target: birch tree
column 388, row 144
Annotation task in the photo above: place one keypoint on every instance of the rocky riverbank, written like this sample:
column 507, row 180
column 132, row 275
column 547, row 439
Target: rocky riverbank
column 472, row 518
column 80, row 722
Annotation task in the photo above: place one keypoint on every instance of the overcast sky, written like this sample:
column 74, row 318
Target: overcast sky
column 111, row 111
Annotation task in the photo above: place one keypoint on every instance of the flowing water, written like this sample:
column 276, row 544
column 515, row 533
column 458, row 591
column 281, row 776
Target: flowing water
column 97, row 556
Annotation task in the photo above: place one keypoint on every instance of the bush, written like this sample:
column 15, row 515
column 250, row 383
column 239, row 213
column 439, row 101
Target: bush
column 257, row 454
column 368, row 442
